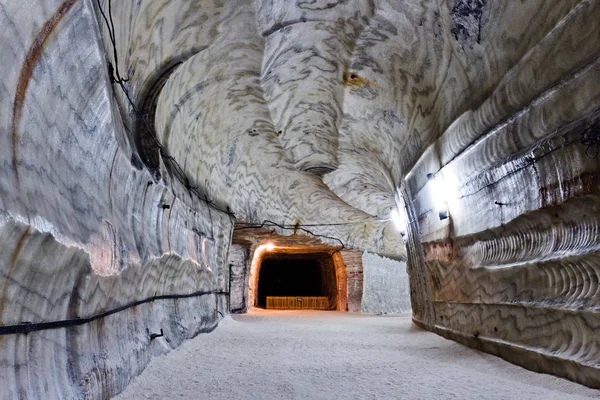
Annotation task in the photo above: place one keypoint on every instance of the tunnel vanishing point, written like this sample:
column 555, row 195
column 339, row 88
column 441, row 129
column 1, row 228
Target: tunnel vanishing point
column 164, row 161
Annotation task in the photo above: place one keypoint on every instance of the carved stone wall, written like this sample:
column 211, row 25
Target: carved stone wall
column 514, row 268
column 385, row 285
column 354, row 271
column 239, row 265
column 317, row 119
column 97, row 256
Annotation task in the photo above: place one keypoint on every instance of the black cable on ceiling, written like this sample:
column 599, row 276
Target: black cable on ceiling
column 253, row 226
column 267, row 223
column 591, row 138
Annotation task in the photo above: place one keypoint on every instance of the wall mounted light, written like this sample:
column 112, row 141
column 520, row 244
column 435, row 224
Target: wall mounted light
column 269, row 246
column 156, row 335
column 399, row 221
column 443, row 191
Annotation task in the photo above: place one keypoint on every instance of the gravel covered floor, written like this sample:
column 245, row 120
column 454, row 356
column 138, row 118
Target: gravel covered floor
column 329, row 355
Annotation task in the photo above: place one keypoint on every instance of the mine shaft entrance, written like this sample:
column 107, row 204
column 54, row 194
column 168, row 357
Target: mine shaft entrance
column 305, row 281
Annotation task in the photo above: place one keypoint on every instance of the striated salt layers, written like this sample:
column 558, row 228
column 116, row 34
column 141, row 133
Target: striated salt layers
column 322, row 113
column 84, row 232
column 514, row 269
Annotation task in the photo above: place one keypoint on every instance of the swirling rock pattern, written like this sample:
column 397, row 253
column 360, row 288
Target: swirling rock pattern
column 306, row 57
column 322, row 113
column 84, row 232
column 514, row 268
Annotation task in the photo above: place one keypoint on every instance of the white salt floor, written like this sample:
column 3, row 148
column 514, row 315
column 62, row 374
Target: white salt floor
column 329, row 355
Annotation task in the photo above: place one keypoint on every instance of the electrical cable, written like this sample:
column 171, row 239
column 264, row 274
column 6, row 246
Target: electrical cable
column 26, row 327
column 591, row 138
column 267, row 223
column 116, row 77
column 120, row 81
column 362, row 221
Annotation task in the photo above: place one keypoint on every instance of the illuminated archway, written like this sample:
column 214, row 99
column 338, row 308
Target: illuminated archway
column 324, row 255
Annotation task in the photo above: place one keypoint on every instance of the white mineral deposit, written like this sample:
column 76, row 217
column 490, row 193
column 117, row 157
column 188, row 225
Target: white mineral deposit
column 183, row 182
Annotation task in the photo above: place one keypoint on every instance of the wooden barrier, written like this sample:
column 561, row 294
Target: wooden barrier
column 297, row 303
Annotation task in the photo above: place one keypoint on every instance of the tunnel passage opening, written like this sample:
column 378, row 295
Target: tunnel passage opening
column 306, row 281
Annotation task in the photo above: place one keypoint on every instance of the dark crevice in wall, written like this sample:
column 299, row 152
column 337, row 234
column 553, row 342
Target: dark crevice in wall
column 281, row 25
column 144, row 133
column 466, row 21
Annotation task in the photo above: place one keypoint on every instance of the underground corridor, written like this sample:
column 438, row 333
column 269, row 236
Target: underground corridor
column 297, row 281
column 322, row 199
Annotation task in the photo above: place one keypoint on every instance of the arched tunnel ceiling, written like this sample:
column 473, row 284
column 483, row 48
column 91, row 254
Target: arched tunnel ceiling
column 314, row 111
column 317, row 115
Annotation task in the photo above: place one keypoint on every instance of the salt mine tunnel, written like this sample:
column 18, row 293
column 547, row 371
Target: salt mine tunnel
column 300, row 199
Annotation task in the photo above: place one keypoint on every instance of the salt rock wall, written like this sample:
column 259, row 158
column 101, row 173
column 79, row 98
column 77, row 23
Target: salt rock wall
column 385, row 286
column 239, row 265
column 323, row 113
column 415, row 68
column 98, row 256
column 244, row 123
column 354, row 272
column 513, row 269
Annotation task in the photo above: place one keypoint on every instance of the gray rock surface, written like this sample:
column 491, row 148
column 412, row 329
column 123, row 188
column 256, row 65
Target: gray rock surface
column 326, row 114
column 385, row 286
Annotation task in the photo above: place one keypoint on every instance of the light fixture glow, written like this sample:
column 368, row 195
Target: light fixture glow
column 442, row 190
column 269, row 246
column 398, row 220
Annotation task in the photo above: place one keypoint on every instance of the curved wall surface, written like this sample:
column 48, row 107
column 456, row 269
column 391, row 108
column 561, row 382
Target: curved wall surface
column 88, row 240
column 136, row 134
column 514, row 268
